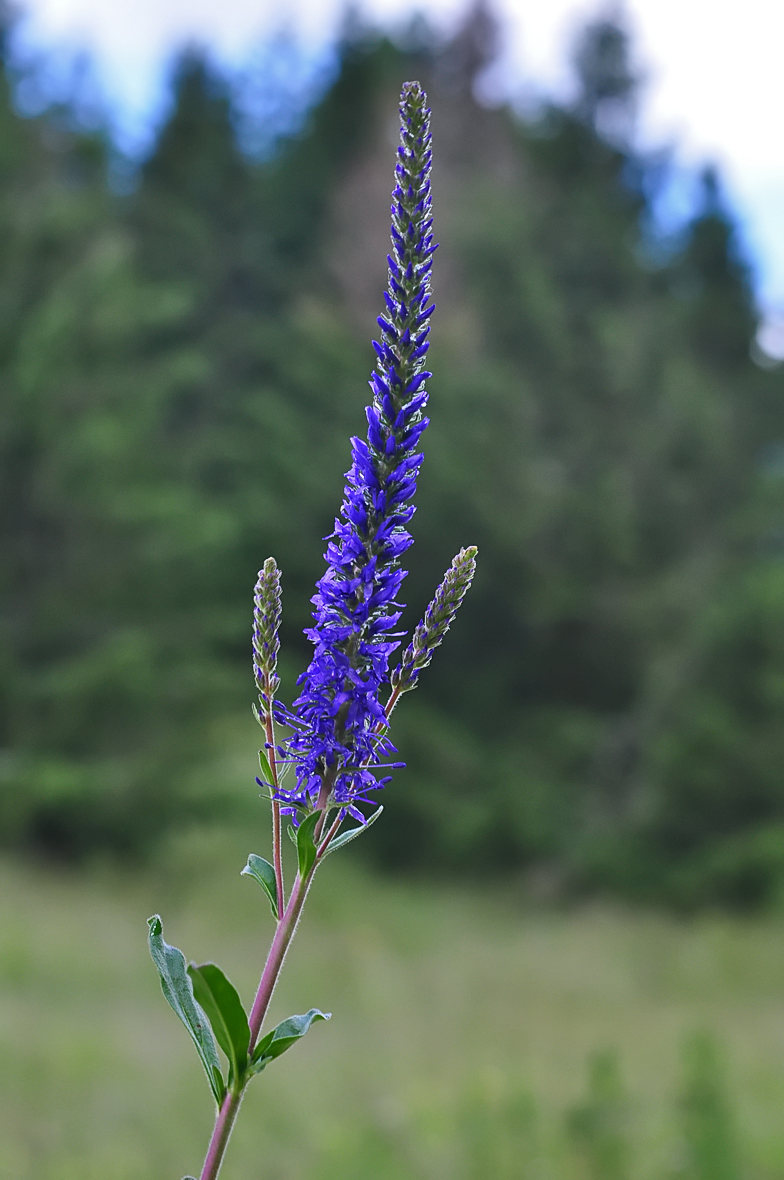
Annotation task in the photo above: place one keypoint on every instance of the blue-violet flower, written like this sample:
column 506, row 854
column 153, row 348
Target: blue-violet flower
column 338, row 719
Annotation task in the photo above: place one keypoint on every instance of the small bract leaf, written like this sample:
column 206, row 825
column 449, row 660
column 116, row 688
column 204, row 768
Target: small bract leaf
column 352, row 833
column 178, row 990
column 283, row 1037
column 306, row 848
column 266, row 769
column 262, row 871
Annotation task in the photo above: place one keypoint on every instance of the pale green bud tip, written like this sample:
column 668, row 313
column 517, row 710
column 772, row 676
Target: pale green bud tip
column 266, row 625
column 437, row 621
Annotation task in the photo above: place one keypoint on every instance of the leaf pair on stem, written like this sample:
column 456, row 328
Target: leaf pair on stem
column 209, row 1006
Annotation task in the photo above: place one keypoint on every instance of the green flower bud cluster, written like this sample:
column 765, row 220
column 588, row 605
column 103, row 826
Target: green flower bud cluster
column 437, row 621
column 266, row 625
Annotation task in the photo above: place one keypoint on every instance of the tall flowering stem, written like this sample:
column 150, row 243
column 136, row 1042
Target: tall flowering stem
column 338, row 725
column 337, row 742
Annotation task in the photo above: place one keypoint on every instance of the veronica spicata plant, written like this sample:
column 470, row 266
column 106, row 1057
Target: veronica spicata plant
column 324, row 768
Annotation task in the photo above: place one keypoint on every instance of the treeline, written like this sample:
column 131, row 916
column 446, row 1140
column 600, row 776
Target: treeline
column 181, row 367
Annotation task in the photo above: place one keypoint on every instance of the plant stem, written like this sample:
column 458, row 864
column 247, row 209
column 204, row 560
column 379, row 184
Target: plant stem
column 396, row 694
column 277, row 953
column 220, row 1135
column 327, row 784
column 332, row 831
column 277, row 853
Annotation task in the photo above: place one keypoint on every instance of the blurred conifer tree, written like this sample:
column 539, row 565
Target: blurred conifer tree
column 181, row 368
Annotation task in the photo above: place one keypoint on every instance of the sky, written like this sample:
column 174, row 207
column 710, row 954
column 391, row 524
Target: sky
column 714, row 83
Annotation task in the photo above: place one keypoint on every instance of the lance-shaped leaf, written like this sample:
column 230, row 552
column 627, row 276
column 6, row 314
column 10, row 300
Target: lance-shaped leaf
column 283, row 1037
column 352, row 833
column 262, row 871
column 266, row 769
column 218, row 997
column 178, row 990
column 306, row 848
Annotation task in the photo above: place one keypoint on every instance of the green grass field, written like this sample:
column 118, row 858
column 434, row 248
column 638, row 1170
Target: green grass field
column 465, row 1023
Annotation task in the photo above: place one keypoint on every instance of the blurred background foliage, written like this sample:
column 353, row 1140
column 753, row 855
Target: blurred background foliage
column 182, row 360
column 474, row 1036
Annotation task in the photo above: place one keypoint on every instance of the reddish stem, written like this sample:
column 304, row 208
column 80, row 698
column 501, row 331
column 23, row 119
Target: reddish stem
column 220, row 1136
column 277, row 852
column 325, row 842
column 393, row 700
column 277, row 953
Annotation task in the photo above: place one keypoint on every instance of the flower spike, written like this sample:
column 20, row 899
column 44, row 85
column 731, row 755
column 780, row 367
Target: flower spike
column 337, row 716
column 439, row 617
column 266, row 643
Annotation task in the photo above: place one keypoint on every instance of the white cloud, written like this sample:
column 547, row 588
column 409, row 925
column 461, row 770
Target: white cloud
column 714, row 78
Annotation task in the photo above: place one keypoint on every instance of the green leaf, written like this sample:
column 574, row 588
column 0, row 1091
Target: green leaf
column 178, row 990
column 306, row 848
column 352, row 833
column 218, row 997
column 262, row 871
column 266, row 769
column 283, row 1037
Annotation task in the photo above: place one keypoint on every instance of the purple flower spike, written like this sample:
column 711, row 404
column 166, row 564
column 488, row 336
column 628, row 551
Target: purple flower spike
column 338, row 719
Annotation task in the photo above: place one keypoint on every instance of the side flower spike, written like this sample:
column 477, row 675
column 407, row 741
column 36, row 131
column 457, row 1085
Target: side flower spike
column 439, row 617
column 336, row 718
column 266, row 643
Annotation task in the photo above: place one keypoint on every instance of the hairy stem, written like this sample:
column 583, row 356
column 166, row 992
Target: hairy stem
column 327, row 783
column 394, row 698
column 277, row 852
column 277, row 953
column 220, row 1136
column 330, row 834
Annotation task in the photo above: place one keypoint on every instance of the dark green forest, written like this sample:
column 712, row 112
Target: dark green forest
column 182, row 361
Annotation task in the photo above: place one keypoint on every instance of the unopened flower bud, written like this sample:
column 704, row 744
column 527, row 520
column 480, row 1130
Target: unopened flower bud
column 437, row 621
column 266, row 625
